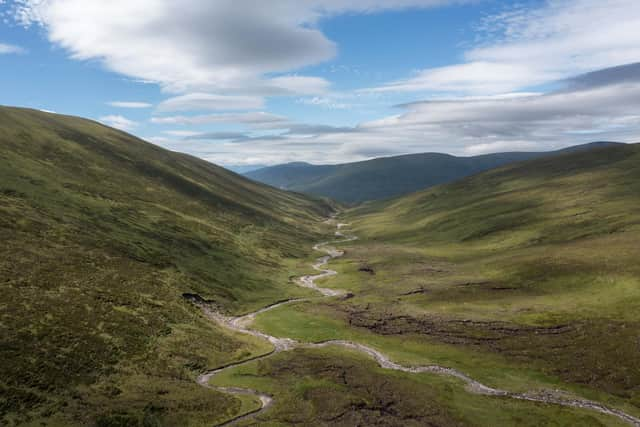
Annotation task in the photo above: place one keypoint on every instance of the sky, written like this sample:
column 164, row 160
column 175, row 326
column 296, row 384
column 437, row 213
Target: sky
column 248, row 83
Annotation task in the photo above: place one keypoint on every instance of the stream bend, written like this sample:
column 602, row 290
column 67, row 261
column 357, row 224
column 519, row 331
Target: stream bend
column 242, row 324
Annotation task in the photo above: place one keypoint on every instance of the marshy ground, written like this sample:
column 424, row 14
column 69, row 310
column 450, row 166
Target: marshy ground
column 386, row 412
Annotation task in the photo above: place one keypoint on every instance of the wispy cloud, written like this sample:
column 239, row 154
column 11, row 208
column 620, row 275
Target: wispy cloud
column 6, row 49
column 464, row 126
column 129, row 104
column 215, row 136
column 324, row 102
column 208, row 101
column 312, row 130
column 254, row 119
column 500, row 146
column 181, row 133
column 530, row 47
column 119, row 122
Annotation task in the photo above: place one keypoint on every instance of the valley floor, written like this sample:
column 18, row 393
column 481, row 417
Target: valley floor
column 369, row 356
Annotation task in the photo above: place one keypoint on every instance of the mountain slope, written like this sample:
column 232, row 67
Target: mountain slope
column 389, row 176
column 530, row 269
column 101, row 235
column 571, row 195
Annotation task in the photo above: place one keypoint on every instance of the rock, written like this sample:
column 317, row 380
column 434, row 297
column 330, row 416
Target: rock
column 366, row 269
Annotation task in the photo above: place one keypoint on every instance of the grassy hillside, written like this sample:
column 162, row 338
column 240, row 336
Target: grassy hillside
column 385, row 177
column 101, row 235
column 566, row 197
column 525, row 277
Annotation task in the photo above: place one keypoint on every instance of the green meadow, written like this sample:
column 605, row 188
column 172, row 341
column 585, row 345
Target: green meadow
column 524, row 277
column 333, row 386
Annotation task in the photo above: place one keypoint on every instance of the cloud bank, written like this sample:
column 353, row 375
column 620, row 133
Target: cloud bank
column 201, row 45
column 562, row 73
column 531, row 47
column 463, row 126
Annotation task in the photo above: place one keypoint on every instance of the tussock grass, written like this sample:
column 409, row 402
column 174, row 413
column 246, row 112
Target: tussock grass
column 334, row 386
column 101, row 235
column 524, row 277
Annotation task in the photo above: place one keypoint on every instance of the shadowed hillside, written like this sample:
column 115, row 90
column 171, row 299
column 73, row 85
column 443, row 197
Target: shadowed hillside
column 101, row 235
column 387, row 177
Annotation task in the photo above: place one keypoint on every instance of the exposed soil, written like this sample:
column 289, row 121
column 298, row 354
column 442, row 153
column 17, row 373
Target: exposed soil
column 562, row 350
column 366, row 269
column 448, row 331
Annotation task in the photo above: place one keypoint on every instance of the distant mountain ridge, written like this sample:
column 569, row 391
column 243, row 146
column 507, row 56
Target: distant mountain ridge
column 388, row 177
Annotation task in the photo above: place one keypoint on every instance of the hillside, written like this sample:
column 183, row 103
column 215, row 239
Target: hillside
column 523, row 276
column 102, row 234
column 565, row 197
column 387, row 177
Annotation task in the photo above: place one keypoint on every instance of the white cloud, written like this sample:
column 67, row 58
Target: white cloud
column 303, row 85
column 6, row 49
column 181, row 133
column 536, row 46
column 500, row 146
column 201, row 45
column 119, row 122
column 473, row 126
column 214, row 136
column 324, row 102
column 208, row 101
column 470, row 126
column 129, row 104
column 478, row 77
column 608, row 101
column 256, row 120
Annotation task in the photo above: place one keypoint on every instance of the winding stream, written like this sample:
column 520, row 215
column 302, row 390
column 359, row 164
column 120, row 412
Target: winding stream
column 242, row 324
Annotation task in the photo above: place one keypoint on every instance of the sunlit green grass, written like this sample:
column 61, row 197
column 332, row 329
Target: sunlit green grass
column 340, row 387
column 551, row 244
column 541, row 244
column 312, row 322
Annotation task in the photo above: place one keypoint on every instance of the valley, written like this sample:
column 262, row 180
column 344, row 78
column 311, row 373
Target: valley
column 522, row 277
column 242, row 324
column 152, row 288
column 319, row 213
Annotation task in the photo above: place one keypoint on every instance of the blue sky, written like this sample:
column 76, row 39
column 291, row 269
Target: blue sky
column 251, row 82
